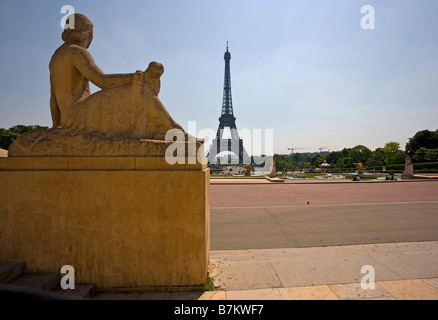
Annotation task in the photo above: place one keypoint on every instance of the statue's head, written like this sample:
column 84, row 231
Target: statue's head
column 82, row 34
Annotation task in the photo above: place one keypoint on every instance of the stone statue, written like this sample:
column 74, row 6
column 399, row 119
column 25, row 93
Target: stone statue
column 408, row 161
column 409, row 169
column 125, row 118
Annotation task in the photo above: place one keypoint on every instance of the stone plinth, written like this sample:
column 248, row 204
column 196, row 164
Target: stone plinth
column 407, row 176
column 121, row 222
column 278, row 180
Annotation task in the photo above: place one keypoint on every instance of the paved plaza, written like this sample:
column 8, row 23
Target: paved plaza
column 227, row 193
column 323, row 225
column 267, row 216
column 309, row 240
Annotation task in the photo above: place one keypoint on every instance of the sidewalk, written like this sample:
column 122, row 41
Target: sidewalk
column 403, row 271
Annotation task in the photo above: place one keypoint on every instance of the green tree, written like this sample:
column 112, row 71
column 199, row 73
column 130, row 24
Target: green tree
column 299, row 158
column 317, row 160
column 292, row 162
column 7, row 137
column 20, row 129
column 305, row 165
column 425, row 155
column 422, row 139
column 342, row 163
column 393, row 154
column 346, row 152
column 333, row 157
column 377, row 159
column 360, row 154
column 432, row 155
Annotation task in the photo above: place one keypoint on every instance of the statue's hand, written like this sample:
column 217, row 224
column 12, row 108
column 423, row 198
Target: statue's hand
column 138, row 77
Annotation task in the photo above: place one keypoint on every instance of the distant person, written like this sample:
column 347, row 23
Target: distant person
column 387, row 178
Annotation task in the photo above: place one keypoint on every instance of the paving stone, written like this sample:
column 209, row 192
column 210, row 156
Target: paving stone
column 258, row 294
column 355, row 291
column 308, row 293
column 340, row 269
column 186, row 295
column 413, row 265
column 433, row 282
column 214, row 295
column 410, row 289
column 245, row 275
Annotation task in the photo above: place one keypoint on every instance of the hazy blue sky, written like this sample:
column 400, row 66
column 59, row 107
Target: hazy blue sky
column 305, row 69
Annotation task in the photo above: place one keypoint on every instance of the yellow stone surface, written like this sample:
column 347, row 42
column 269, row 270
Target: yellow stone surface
column 95, row 163
column 214, row 295
column 119, row 226
column 410, row 289
column 308, row 293
column 29, row 163
column 255, row 294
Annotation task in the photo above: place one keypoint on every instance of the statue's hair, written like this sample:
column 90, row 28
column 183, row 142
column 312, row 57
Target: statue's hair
column 82, row 26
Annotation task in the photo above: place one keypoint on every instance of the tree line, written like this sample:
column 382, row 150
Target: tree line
column 7, row 136
column 422, row 147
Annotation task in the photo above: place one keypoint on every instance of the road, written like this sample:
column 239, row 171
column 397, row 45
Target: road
column 264, row 216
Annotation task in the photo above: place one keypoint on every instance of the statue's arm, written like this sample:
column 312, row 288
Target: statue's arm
column 85, row 64
column 54, row 109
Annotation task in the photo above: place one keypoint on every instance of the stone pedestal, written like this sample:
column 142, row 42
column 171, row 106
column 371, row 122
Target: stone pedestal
column 407, row 176
column 121, row 222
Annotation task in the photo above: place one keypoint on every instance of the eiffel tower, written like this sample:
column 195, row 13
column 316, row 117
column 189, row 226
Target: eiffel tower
column 227, row 120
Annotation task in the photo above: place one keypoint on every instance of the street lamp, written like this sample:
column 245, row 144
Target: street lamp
column 374, row 162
